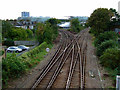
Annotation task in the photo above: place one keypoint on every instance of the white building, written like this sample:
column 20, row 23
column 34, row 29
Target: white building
column 25, row 14
column 119, row 7
column 64, row 25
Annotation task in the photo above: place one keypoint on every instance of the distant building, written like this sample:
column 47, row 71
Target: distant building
column 119, row 7
column 65, row 25
column 117, row 30
column 25, row 14
column 25, row 24
column 80, row 18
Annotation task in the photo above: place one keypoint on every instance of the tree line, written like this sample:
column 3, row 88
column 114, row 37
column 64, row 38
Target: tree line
column 75, row 25
column 15, row 33
column 47, row 31
column 102, row 23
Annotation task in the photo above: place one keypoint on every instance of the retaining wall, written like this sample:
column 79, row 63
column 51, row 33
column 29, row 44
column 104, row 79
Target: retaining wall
column 25, row 42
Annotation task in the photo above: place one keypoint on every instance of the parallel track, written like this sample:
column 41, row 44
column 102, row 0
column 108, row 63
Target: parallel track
column 66, row 69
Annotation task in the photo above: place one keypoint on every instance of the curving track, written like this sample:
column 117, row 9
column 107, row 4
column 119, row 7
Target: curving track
column 66, row 69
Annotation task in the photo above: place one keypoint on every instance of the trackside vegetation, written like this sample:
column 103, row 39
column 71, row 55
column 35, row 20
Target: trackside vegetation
column 48, row 31
column 14, row 67
column 15, row 33
column 45, row 33
column 76, row 26
column 106, row 40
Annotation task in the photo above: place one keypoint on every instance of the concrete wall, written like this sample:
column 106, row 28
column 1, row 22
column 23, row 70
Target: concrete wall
column 25, row 42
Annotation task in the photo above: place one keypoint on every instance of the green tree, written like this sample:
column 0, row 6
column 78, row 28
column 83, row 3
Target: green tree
column 105, row 36
column 115, row 21
column 75, row 25
column 99, row 20
column 115, row 13
column 111, row 58
column 48, row 33
column 53, row 21
column 6, row 28
column 0, row 37
column 53, row 24
column 105, row 45
column 29, row 33
column 39, row 32
column 17, row 34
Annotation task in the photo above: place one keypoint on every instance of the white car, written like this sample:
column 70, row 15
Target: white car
column 23, row 47
column 14, row 49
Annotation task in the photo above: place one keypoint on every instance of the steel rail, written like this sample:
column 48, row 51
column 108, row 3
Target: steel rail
column 48, row 68
column 71, row 72
column 58, row 69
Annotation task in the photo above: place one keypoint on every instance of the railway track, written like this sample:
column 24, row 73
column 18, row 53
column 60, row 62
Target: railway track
column 66, row 68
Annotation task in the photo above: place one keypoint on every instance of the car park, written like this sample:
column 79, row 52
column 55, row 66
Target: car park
column 14, row 49
column 23, row 47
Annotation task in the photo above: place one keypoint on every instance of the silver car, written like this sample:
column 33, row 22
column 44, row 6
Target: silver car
column 14, row 49
column 23, row 47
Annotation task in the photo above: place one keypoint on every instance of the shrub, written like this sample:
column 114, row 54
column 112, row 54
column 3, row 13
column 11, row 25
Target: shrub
column 17, row 34
column 48, row 34
column 8, row 42
column 105, row 45
column 26, row 57
column 1, row 52
column 118, row 35
column 105, row 36
column 39, row 32
column 12, row 67
column 29, row 33
column 111, row 58
column 75, row 27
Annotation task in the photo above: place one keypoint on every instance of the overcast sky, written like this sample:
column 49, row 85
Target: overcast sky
column 11, row 9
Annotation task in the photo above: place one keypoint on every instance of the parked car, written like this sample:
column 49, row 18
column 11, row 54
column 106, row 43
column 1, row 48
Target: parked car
column 23, row 47
column 14, row 49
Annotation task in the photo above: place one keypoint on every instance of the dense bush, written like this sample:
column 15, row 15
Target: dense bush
column 39, row 32
column 1, row 52
column 0, row 37
column 8, row 42
column 18, row 34
column 46, row 32
column 48, row 35
column 26, row 57
column 110, row 58
column 29, row 33
column 75, row 27
column 13, row 66
column 105, row 36
column 118, row 35
column 105, row 45
column 6, row 28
